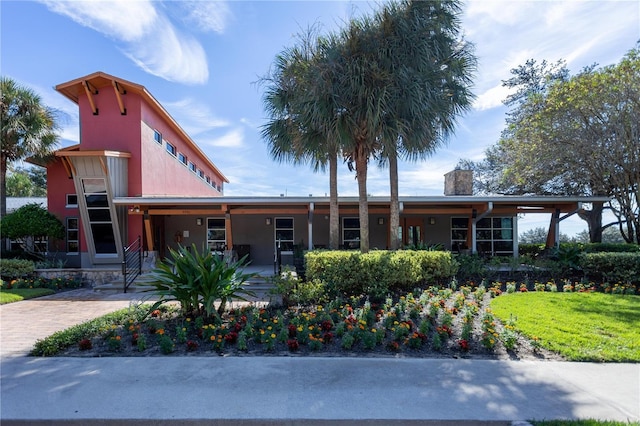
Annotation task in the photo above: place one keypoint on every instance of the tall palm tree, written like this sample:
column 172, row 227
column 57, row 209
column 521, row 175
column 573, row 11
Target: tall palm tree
column 430, row 71
column 28, row 129
column 298, row 130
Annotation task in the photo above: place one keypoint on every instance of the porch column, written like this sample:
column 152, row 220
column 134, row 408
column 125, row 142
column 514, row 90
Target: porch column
column 147, row 230
column 227, row 228
column 553, row 236
column 310, row 225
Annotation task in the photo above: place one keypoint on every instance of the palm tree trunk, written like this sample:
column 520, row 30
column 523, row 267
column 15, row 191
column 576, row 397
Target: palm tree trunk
column 3, row 186
column 394, row 213
column 334, row 212
column 361, row 175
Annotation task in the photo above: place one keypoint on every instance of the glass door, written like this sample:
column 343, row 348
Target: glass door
column 412, row 232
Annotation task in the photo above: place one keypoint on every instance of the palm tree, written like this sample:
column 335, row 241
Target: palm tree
column 28, row 129
column 430, row 69
column 300, row 116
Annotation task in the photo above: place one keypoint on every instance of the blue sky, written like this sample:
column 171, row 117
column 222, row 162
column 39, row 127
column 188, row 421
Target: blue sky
column 201, row 60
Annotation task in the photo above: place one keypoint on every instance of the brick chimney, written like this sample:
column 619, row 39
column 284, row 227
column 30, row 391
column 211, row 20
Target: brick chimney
column 458, row 182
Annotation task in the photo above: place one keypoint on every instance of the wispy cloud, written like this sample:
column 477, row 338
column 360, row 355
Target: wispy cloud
column 232, row 139
column 194, row 116
column 148, row 37
column 207, row 15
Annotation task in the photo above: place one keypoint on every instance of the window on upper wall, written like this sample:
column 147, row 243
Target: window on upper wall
column 73, row 236
column 192, row 167
column 171, row 149
column 201, row 174
column 208, row 179
column 351, row 232
column 157, row 136
column 182, row 158
column 72, row 201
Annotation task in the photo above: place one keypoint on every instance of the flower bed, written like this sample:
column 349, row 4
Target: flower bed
column 435, row 322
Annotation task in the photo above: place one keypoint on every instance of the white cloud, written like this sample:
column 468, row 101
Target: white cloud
column 491, row 98
column 194, row 116
column 120, row 19
column 207, row 15
column 148, row 38
column 231, row 139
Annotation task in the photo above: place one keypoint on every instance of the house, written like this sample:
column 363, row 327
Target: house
column 136, row 173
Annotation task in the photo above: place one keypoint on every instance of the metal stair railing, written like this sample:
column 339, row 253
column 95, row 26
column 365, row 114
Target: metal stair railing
column 132, row 262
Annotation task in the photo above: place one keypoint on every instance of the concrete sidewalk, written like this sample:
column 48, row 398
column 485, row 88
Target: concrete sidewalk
column 285, row 390
column 295, row 390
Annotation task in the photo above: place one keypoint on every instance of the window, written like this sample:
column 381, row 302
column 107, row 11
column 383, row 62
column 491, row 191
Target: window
column 72, row 201
column 459, row 233
column 171, row 149
column 216, row 234
column 73, row 236
column 351, row 232
column 284, row 233
column 207, row 179
column 99, row 214
column 182, row 158
column 201, row 174
column 192, row 167
column 157, row 136
column 495, row 236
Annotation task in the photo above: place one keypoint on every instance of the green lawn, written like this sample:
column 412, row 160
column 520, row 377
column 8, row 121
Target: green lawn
column 580, row 326
column 18, row 294
column 582, row 423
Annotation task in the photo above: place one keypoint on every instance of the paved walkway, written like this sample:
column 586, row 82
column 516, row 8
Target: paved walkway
column 286, row 390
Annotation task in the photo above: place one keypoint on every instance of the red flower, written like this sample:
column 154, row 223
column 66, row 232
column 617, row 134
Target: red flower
column 327, row 337
column 292, row 330
column 293, row 345
column 464, row 345
column 326, row 325
column 85, row 344
column 191, row 345
column 231, row 337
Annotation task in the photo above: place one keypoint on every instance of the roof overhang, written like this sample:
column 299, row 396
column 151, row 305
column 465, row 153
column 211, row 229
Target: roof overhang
column 505, row 205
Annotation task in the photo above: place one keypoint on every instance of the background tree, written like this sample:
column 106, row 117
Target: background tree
column 28, row 128
column 578, row 136
column 26, row 182
column 539, row 236
column 31, row 225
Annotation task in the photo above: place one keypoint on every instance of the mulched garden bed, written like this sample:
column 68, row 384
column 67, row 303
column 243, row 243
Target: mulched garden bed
column 438, row 323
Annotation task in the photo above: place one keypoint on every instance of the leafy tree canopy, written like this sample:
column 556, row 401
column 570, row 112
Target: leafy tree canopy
column 27, row 182
column 576, row 135
column 31, row 220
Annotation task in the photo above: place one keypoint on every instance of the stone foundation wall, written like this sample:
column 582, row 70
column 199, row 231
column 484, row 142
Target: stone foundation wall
column 89, row 277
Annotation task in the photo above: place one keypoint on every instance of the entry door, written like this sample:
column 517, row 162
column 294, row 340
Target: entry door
column 412, row 231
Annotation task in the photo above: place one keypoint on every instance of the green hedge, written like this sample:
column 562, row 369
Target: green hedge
column 534, row 250
column 612, row 267
column 16, row 268
column 351, row 273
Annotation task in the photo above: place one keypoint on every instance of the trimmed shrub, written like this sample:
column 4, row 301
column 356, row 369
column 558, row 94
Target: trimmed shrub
column 612, row 267
column 16, row 268
column 351, row 273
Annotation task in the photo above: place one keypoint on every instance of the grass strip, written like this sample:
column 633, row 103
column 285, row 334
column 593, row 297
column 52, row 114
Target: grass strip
column 581, row 423
column 63, row 339
column 580, row 326
column 18, row 294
